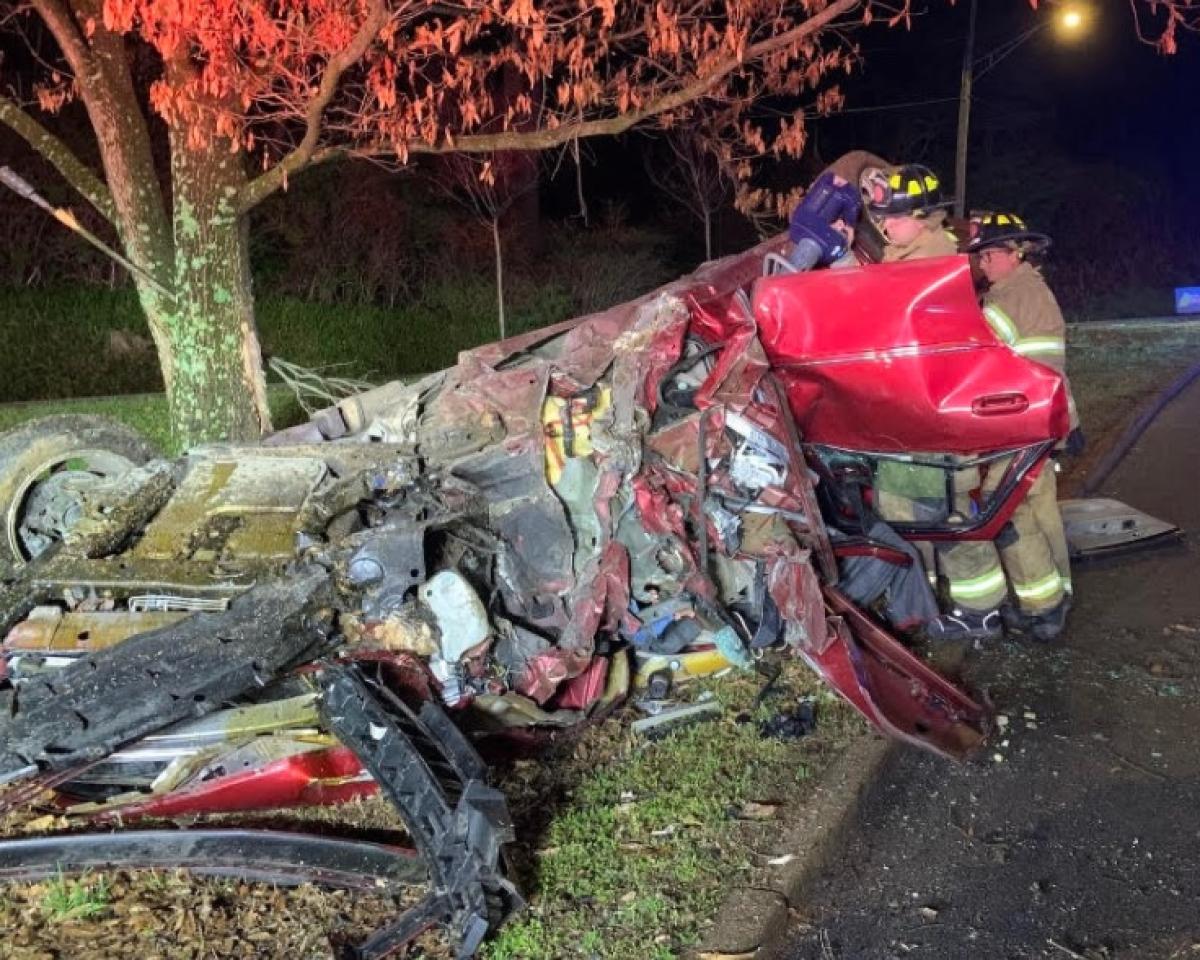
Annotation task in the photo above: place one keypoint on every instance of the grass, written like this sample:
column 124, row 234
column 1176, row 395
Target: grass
column 74, row 342
column 146, row 413
column 645, row 843
column 77, row 341
column 1113, row 372
column 66, row 899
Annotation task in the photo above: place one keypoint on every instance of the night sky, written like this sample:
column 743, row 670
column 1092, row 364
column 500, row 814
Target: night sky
column 1104, row 96
column 1104, row 99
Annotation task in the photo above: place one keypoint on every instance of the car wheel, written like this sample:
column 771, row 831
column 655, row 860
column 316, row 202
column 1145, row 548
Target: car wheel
column 43, row 463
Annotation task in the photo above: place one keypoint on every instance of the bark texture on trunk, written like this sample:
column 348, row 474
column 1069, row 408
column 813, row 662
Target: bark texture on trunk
column 205, row 334
column 218, row 390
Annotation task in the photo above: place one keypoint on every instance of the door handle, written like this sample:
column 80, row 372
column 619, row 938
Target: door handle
column 999, row 404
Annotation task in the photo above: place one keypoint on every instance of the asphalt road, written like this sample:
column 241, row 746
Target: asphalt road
column 1077, row 833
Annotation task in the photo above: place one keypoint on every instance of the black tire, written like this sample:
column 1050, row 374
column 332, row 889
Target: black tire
column 40, row 445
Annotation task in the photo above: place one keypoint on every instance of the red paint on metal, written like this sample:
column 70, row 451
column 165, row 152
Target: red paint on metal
column 326, row 776
column 894, row 689
column 897, row 357
column 582, row 691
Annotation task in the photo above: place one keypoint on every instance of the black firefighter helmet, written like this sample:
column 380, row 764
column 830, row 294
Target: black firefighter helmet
column 909, row 190
column 1004, row 230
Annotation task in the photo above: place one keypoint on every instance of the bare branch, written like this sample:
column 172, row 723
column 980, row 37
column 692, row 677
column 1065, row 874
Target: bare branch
column 1175, row 15
column 264, row 185
column 59, row 155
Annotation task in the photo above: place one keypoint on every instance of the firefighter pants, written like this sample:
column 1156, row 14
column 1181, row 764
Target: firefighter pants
column 972, row 567
column 1033, row 547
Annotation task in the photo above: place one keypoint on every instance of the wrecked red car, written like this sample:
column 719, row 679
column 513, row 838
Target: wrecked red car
column 517, row 542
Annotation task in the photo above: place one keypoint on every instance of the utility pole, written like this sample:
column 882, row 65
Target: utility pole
column 964, row 116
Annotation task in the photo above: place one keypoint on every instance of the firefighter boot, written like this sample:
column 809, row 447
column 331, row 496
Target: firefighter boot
column 1016, row 623
column 1044, row 626
column 1047, row 626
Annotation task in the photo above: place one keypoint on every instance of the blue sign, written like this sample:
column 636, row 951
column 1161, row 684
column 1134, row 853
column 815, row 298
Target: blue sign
column 1187, row 299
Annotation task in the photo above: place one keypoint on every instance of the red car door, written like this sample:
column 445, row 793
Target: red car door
column 898, row 357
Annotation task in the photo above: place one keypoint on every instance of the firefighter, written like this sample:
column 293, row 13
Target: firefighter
column 1023, row 312
column 906, row 205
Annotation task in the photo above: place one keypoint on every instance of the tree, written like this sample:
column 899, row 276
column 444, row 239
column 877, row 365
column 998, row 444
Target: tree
column 489, row 186
column 689, row 171
column 252, row 92
column 1159, row 22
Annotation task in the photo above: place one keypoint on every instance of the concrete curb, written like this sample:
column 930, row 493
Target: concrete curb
column 753, row 920
column 1131, row 323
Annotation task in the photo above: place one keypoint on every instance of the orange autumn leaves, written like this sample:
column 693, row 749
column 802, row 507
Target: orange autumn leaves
column 250, row 70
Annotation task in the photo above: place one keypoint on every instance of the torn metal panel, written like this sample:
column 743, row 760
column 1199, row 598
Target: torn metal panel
column 795, row 589
column 50, row 629
column 511, row 710
column 313, row 777
column 216, row 746
column 111, row 697
column 911, row 330
column 1099, row 527
column 894, row 689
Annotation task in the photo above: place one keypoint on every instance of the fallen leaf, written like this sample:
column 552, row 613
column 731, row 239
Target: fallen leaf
column 757, row 811
column 48, row 822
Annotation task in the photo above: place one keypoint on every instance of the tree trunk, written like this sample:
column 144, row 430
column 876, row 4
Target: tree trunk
column 218, row 391
column 499, row 273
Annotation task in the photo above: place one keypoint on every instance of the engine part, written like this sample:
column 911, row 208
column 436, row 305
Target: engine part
column 389, row 563
column 459, row 612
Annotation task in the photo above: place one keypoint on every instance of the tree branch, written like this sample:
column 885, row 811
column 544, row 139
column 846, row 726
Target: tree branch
column 609, row 126
column 59, row 155
column 66, row 32
column 267, row 183
column 540, row 139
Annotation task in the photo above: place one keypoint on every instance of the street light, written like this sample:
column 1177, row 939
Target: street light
column 1071, row 20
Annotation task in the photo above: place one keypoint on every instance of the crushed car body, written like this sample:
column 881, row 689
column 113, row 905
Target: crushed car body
column 509, row 545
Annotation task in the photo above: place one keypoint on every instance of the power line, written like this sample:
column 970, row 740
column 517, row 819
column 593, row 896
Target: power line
column 906, row 105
